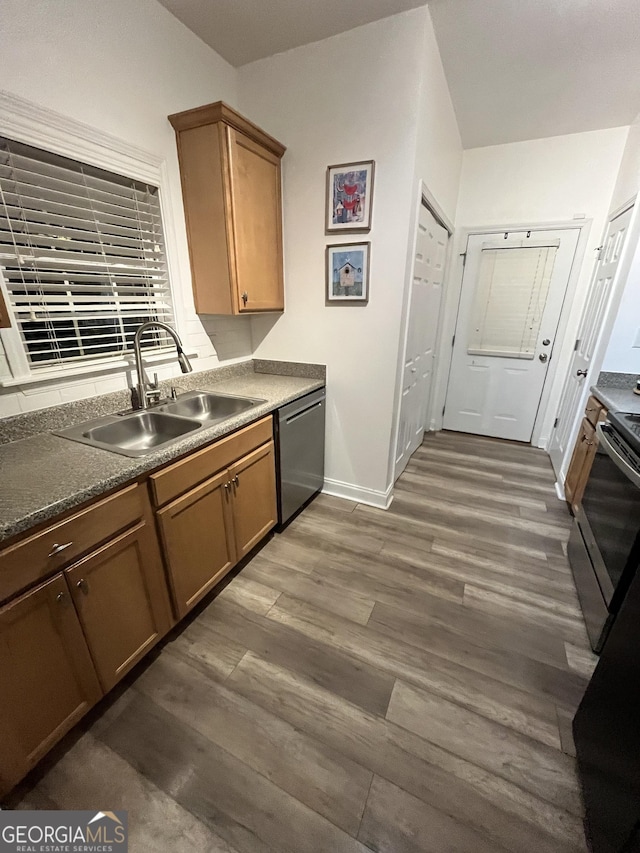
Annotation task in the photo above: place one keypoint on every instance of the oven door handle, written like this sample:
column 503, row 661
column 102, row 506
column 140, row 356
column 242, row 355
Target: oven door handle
column 618, row 460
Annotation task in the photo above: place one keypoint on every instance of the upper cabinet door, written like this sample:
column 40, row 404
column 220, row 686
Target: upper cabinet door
column 231, row 187
column 256, row 210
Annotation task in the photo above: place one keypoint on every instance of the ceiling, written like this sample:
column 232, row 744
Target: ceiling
column 245, row 30
column 517, row 69
column 526, row 69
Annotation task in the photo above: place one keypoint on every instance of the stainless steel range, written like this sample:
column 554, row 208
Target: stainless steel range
column 604, row 547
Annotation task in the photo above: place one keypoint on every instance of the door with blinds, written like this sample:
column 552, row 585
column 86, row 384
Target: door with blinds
column 513, row 288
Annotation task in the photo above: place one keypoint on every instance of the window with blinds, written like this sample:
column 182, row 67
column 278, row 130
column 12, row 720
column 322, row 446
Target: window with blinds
column 82, row 256
column 510, row 298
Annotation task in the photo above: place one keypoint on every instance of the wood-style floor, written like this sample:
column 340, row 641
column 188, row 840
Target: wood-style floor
column 394, row 681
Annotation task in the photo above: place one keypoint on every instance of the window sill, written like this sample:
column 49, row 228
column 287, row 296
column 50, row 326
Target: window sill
column 77, row 372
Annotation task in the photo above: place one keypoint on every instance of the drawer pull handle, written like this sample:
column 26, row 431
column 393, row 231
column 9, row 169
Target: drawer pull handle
column 58, row 549
column 83, row 586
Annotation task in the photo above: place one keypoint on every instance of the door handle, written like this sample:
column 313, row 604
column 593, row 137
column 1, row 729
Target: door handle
column 546, row 342
column 58, row 549
column 543, row 356
column 581, row 372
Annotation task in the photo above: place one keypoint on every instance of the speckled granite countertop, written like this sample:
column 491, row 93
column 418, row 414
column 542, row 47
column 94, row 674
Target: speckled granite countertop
column 44, row 475
column 617, row 399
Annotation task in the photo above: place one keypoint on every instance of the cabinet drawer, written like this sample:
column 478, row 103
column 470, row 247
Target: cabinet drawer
column 40, row 555
column 593, row 410
column 184, row 475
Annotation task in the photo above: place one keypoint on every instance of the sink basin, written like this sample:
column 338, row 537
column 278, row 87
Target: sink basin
column 207, row 407
column 141, row 431
column 134, row 434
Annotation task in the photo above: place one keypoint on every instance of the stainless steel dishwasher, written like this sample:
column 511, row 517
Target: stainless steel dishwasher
column 300, row 459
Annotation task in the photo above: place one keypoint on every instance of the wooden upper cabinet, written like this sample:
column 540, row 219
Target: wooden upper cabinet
column 231, row 187
column 46, row 675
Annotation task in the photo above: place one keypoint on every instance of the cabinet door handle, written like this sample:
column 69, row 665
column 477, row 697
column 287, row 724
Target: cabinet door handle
column 58, row 549
column 245, row 297
column 227, row 486
column 83, row 586
column 60, row 598
column 236, row 481
column 581, row 372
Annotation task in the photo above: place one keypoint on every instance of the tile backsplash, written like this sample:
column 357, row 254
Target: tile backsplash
column 214, row 340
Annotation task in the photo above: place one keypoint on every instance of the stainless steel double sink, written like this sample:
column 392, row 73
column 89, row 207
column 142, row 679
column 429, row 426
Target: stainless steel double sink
column 141, row 432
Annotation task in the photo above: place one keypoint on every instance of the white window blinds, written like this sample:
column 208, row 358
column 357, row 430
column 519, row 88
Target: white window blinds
column 82, row 256
column 510, row 297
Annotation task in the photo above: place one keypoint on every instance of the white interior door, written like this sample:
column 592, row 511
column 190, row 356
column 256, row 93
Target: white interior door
column 592, row 318
column 512, row 293
column 421, row 335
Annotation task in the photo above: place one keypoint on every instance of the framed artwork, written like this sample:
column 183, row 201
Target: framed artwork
column 349, row 197
column 348, row 273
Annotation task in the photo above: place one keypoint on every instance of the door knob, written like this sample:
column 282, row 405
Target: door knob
column 546, row 342
column 83, row 586
column 581, row 372
column 543, row 356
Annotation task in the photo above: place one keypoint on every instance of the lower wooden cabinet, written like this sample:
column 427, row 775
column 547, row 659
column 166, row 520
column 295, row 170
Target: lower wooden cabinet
column 197, row 534
column 580, row 465
column 47, row 678
column 253, row 497
column 206, row 531
column 584, row 453
column 120, row 595
column 68, row 641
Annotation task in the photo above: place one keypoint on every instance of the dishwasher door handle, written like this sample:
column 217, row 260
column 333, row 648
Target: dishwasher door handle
column 301, row 412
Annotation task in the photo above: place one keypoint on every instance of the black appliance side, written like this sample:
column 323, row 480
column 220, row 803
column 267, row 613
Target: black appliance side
column 607, row 736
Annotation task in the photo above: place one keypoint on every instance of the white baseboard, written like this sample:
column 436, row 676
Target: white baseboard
column 560, row 490
column 370, row 497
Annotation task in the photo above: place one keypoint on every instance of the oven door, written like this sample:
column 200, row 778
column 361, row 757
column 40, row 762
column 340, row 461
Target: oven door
column 611, row 504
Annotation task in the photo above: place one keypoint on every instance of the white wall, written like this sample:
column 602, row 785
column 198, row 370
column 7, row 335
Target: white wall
column 352, row 97
column 628, row 180
column 621, row 355
column 439, row 147
column 543, row 181
column 121, row 67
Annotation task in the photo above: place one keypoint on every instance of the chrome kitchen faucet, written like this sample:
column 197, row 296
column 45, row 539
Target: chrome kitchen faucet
column 148, row 391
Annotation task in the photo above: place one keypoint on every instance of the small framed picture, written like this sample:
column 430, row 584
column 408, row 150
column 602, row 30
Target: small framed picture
column 348, row 273
column 349, row 197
